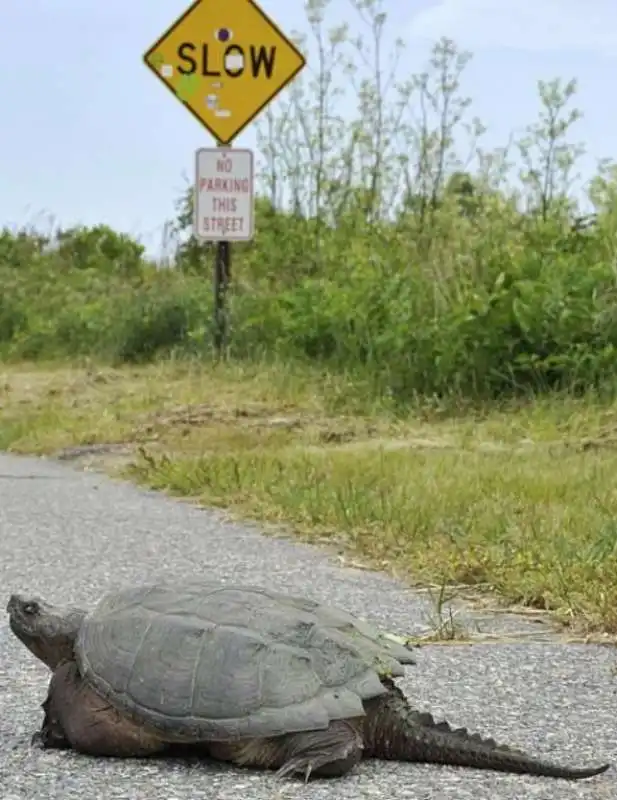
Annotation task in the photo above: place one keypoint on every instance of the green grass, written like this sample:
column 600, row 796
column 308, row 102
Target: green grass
column 519, row 501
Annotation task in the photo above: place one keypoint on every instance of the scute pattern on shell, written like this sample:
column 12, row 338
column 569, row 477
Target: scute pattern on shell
column 221, row 662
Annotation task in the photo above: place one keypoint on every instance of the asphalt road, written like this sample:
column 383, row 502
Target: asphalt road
column 70, row 536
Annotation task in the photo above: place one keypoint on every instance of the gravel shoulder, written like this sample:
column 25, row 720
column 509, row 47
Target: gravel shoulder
column 71, row 535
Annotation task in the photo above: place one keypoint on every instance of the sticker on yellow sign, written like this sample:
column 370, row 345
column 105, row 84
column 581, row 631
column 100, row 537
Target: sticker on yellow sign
column 225, row 62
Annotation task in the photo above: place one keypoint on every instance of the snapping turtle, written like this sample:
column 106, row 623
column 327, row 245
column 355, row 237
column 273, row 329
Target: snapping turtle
column 242, row 674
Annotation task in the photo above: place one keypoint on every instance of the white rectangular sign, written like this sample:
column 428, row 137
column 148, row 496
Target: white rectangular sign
column 224, row 195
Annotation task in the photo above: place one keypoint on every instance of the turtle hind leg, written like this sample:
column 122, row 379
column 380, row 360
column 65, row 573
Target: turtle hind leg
column 329, row 753
column 77, row 718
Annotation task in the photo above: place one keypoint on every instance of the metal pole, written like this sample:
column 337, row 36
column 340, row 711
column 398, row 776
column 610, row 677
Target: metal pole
column 222, row 278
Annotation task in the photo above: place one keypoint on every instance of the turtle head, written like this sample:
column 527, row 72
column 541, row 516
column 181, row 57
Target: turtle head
column 47, row 631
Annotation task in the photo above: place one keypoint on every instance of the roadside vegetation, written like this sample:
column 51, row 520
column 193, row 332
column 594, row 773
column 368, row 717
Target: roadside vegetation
column 422, row 359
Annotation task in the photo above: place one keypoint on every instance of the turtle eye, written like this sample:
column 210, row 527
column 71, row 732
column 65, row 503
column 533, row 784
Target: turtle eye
column 31, row 608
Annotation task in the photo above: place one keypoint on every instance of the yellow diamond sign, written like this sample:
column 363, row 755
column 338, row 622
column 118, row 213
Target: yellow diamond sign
column 225, row 62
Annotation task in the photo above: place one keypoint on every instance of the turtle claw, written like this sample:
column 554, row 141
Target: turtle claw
column 300, row 766
column 48, row 739
column 37, row 740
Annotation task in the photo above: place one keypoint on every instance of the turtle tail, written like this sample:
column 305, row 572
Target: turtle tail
column 394, row 731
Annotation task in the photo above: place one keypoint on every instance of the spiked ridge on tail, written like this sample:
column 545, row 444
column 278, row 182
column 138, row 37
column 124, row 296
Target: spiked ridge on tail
column 396, row 732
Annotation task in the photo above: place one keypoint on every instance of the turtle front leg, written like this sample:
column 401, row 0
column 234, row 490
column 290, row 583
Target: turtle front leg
column 51, row 736
column 78, row 718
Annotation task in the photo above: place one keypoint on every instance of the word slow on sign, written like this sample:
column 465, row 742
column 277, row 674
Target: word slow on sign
column 232, row 62
column 224, row 195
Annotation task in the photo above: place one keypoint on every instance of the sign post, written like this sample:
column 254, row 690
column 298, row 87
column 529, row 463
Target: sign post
column 222, row 278
column 223, row 212
column 225, row 62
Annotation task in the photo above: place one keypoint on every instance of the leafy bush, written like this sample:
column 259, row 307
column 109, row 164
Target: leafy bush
column 376, row 254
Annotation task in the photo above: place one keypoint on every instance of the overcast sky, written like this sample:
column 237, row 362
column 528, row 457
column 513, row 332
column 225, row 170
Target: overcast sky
column 89, row 135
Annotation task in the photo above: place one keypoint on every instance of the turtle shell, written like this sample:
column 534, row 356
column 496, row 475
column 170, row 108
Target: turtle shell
column 213, row 662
